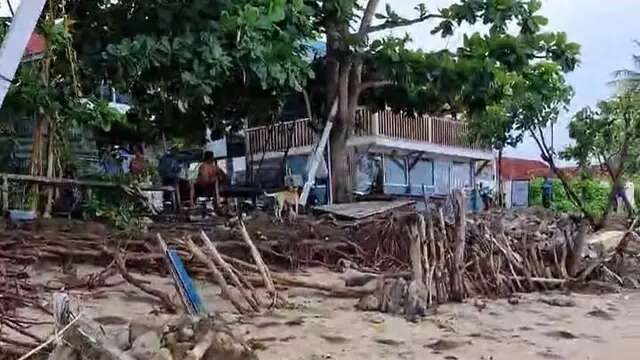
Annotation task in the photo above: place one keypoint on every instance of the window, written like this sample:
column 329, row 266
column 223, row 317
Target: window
column 421, row 173
column 461, row 173
column 395, row 170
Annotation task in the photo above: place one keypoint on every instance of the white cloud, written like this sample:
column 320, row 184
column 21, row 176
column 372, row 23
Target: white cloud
column 604, row 29
column 4, row 7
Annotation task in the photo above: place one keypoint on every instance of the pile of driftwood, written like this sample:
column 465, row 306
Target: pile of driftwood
column 76, row 336
column 238, row 278
column 455, row 257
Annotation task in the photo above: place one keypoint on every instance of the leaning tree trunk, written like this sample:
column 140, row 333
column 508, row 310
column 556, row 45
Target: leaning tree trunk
column 344, row 83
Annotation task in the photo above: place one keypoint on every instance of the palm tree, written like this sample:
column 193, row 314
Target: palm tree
column 627, row 79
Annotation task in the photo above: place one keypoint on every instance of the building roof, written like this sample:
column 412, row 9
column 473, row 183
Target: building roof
column 35, row 47
column 593, row 170
column 522, row 169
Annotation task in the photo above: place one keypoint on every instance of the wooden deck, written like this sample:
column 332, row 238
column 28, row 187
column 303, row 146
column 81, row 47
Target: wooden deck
column 384, row 124
column 361, row 210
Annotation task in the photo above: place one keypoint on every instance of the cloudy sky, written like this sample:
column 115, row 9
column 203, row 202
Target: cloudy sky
column 605, row 29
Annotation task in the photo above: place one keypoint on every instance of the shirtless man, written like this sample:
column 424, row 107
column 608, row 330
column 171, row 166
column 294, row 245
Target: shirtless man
column 209, row 179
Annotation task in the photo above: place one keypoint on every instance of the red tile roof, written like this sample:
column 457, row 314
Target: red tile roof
column 593, row 170
column 36, row 46
column 522, row 169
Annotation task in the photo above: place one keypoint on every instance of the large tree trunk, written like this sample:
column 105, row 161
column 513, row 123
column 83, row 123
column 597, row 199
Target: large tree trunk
column 50, row 171
column 574, row 258
column 342, row 180
column 344, row 82
column 37, row 154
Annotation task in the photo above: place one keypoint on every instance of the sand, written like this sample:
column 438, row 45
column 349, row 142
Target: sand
column 317, row 327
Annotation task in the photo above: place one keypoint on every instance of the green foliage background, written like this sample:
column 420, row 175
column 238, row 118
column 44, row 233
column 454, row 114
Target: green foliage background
column 593, row 192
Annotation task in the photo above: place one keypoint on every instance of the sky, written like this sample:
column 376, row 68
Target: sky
column 604, row 29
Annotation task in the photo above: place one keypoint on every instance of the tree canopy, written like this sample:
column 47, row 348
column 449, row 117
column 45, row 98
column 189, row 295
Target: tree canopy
column 191, row 64
column 608, row 136
column 187, row 64
column 465, row 81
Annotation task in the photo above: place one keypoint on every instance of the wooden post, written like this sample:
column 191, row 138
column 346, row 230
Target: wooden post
column 5, row 194
column 457, row 285
column 216, row 194
column 176, row 198
column 375, row 126
column 415, row 250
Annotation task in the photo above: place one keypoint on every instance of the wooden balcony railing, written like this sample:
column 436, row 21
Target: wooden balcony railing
column 398, row 126
column 280, row 136
column 388, row 124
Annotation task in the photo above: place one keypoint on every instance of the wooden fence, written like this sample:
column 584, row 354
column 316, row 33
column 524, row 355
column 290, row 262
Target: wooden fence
column 279, row 137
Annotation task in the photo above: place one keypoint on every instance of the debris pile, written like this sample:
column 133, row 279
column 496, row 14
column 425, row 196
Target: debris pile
column 400, row 262
column 452, row 259
column 153, row 337
column 16, row 291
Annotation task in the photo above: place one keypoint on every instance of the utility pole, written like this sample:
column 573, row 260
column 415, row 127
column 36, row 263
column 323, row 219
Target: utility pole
column 16, row 40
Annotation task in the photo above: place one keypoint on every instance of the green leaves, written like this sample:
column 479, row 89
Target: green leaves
column 218, row 58
column 93, row 112
column 601, row 134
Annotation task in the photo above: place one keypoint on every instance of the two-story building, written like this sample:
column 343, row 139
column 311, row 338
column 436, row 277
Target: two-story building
column 421, row 154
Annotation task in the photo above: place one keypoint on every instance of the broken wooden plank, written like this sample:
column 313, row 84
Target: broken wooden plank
column 361, row 210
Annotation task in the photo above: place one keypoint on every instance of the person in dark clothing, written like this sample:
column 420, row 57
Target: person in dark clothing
column 169, row 170
column 547, row 192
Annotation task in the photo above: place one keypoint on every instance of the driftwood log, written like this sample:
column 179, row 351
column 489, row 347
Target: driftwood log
column 231, row 273
column 218, row 278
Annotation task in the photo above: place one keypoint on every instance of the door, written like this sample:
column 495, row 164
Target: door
column 442, row 177
column 519, row 193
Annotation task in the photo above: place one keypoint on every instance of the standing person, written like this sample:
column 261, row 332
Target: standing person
column 136, row 167
column 547, row 192
column 485, row 195
column 110, row 164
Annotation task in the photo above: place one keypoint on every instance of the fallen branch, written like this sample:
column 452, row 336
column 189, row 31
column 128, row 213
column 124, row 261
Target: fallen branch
column 234, row 276
column 217, row 277
column 539, row 280
column 264, row 270
column 202, row 346
column 163, row 297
